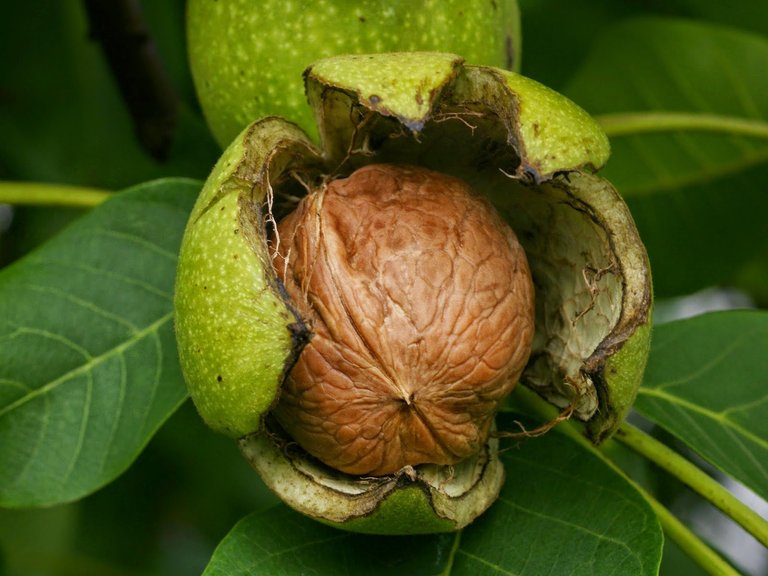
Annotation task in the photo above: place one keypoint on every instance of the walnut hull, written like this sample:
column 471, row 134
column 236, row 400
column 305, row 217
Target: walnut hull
column 421, row 306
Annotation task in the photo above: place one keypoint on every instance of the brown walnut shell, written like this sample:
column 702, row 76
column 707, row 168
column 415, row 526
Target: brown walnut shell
column 421, row 305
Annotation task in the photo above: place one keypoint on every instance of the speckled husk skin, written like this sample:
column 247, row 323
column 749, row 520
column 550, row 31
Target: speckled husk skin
column 247, row 56
column 236, row 332
column 531, row 151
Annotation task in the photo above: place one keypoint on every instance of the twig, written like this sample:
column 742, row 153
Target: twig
column 119, row 26
column 694, row 477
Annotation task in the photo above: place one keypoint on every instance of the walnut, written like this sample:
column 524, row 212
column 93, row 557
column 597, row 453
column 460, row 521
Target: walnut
column 421, row 306
column 412, row 296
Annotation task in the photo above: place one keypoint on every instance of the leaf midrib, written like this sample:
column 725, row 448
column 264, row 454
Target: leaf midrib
column 92, row 362
column 711, row 414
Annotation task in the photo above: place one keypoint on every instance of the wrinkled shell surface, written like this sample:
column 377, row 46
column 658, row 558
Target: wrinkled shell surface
column 421, row 305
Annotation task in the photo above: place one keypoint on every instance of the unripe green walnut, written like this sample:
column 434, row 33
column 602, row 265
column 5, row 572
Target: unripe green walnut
column 528, row 151
column 247, row 56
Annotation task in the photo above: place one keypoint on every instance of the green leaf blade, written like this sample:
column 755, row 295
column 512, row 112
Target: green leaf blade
column 561, row 511
column 705, row 384
column 88, row 368
column 718, row 65
column 281, row 541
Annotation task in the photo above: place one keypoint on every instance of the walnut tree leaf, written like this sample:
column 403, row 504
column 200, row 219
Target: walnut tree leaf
column 88, row 367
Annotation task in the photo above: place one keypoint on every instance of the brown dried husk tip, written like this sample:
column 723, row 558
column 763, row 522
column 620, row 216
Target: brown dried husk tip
column 421, row 306
column 540, row 430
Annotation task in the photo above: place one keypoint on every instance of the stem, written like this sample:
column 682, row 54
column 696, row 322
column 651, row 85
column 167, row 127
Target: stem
column 629, row 123
column 452, row 554
column 690, row 543
column 697, row 479
column 700, row 552
column 39, row 194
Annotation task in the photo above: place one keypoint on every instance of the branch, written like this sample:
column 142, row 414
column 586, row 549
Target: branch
column 120, row 28
column 690, row 543
column 39, row 194
column 629, row 123
column 692, row 476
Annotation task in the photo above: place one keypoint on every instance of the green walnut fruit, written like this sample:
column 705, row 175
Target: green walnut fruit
column 247, row 56
column 355, row 313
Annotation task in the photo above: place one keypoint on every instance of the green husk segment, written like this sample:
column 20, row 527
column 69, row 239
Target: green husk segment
column 403, row 85
column 235, row 332
column 421, row 500
column 622, row 375
column 603, row 321
column 557, row 135
column 617, row 364
column 406, row 511
column 549, row 133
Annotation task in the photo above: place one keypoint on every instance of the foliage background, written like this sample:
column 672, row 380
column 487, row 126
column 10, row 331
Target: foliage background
column 62, row 121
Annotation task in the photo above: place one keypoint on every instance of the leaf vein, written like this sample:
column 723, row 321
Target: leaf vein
column 31, row 456
column 155, row 380
column 101, row 272
column 98, row 310
column 119, row 410
column 15, row 384
column 707, row 366
column 570, row 479
column 746, row 452
column 138, row 240
column 600, row 537
column 46, row 334
column 82, row 429
column 90, row 364
column 716, row 416
column 271, row 554
column 484, row 562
